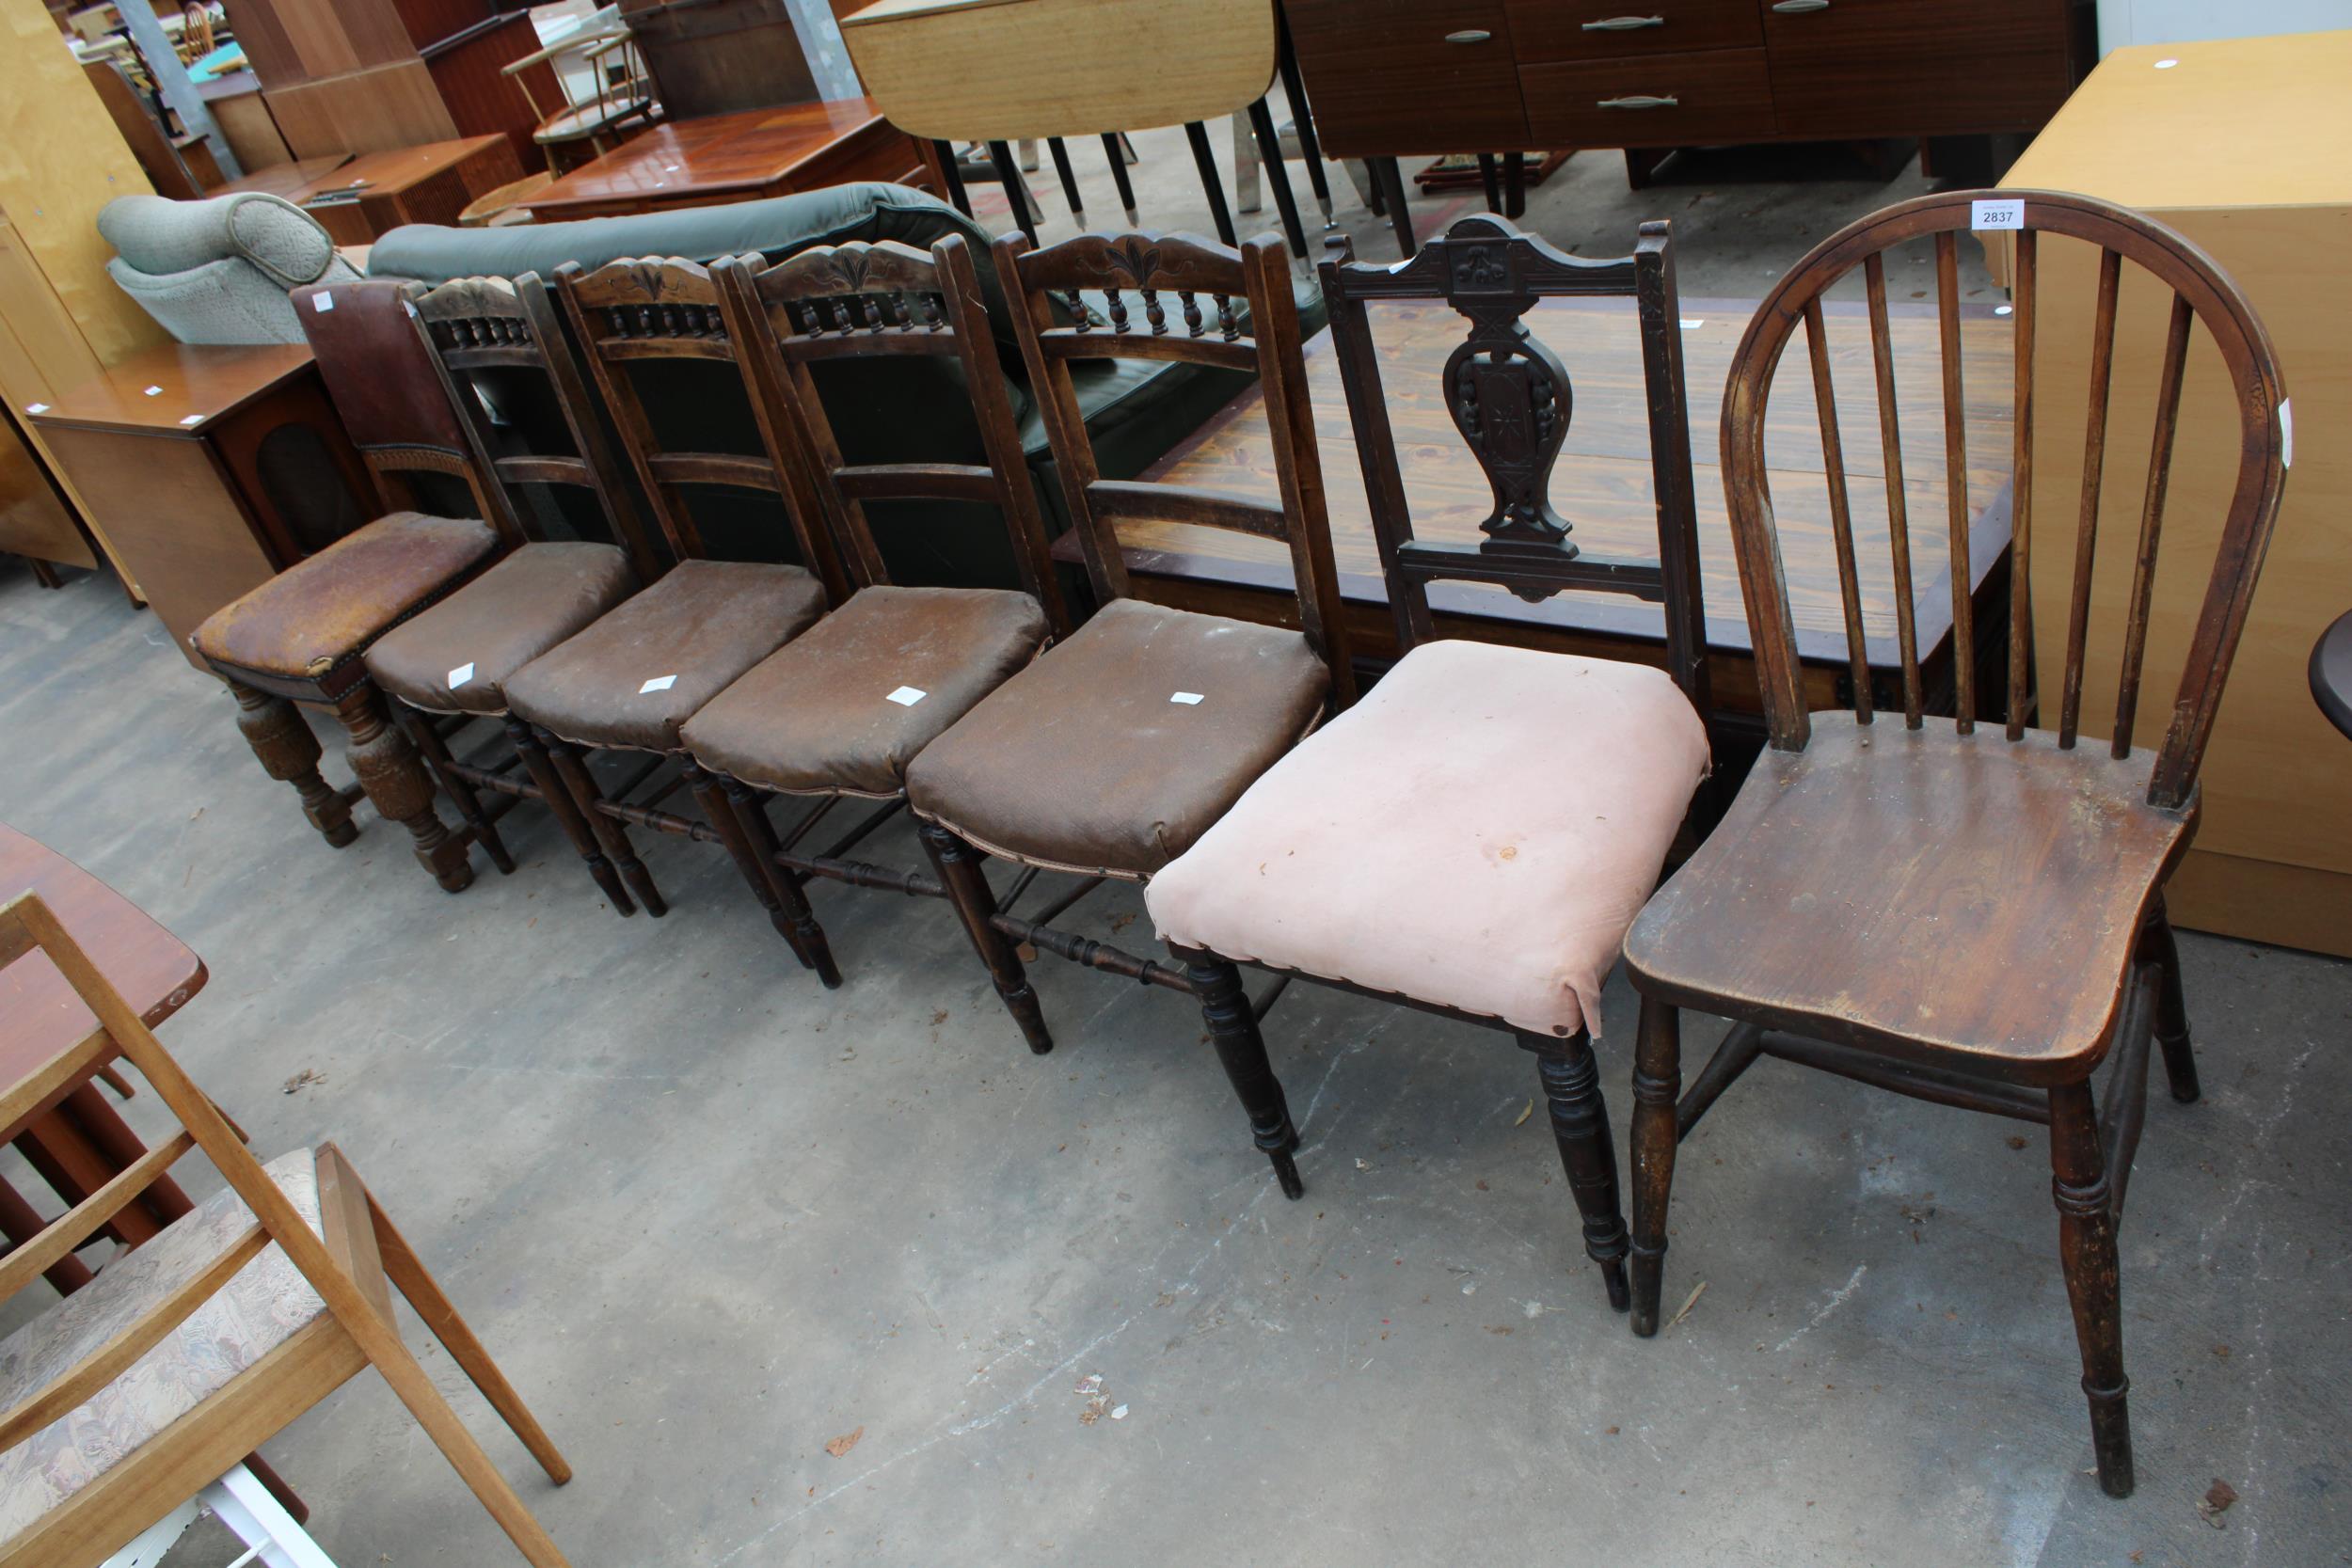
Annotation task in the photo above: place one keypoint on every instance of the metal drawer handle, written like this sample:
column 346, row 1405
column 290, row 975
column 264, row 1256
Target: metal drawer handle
column 1798, row 7
column 1624, row 24
column 1479, row 35
column 1637, row 101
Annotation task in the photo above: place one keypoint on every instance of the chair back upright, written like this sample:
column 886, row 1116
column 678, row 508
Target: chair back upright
column 481, row 329
column 850, row 301
column 1510, row 396
column 2192, row 289
column 641, row 311
column 392, row 402
column 1136, row 274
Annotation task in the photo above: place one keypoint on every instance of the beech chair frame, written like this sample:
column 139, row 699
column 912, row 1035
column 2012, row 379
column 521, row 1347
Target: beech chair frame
column 2091, row 1144
column 354, row 1263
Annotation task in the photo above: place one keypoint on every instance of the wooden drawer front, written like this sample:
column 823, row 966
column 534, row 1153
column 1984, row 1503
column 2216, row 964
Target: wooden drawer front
column 1721, row 95
column 1610, row 29
column 1925, row 68
column 1383, row 79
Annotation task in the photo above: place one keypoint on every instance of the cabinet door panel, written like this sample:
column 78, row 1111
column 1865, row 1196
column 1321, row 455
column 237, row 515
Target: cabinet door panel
column 1396, row 77
column 1885, row 68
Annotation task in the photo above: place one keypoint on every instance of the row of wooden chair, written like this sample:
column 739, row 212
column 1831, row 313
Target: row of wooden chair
column 1478, row 835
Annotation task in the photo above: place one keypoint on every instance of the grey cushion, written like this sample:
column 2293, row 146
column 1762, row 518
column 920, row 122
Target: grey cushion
column 157, row 236
column 229, row 301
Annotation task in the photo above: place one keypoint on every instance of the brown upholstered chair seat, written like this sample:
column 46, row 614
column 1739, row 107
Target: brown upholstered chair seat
column 699, row 628
column 1093, row 759
column 306, row 622
column 497, row 623
column 818, row 715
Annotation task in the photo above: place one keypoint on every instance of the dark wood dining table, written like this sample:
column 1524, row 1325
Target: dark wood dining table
column 52, row 1108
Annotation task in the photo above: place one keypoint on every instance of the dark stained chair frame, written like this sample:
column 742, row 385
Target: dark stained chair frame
column 2090, row 1146
column 473, row 325
column 1149, row 267
column 1510, row 396
column 650, row 309
column 825, row 306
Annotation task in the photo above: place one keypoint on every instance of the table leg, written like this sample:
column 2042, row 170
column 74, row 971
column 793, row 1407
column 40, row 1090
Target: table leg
column 1391, row 181
column 120, row 1148
column 21, row 1225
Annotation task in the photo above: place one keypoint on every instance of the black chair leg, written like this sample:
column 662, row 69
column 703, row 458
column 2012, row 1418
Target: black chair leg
column 429, row 745
column 1489, row 178
column 1580, row 1125
column 954, row 176
column 1278, row 175
column 963, row 869
column 1391, row 181
column 1118, row 156
column 1233, row 1030
column 787, row 902
column 1212, row 186
column 1017, row 190
column 571, row 766
column 568, row 816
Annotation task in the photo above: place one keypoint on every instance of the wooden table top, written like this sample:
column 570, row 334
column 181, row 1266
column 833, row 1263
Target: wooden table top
column 194, row 384
column 1602, row 481
column 293, row 180
column 41, row 1017
column 382, row 173
column 683, row 162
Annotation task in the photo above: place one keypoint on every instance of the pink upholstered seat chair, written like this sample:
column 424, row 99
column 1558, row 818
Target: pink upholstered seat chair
column 1475, row 836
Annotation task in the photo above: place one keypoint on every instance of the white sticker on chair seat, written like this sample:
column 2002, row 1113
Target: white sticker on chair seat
column 1190, row 699
column 2007, row 213
column 460, row 676
column 660, row 683
column 321, row 302
column 2287, row 433
column 906, row 696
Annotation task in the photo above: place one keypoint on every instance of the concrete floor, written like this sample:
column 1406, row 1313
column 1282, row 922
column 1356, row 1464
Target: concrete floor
column 711, row 1217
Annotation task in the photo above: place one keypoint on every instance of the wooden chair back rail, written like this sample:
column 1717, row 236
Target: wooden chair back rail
column 1115, row 499
column 1510, row 397
column 860, row 299
column 633, row 311
column 26, row 1262
column 480, row 323
column 345, row 1266
column 2200, row 293
column 1153, row 264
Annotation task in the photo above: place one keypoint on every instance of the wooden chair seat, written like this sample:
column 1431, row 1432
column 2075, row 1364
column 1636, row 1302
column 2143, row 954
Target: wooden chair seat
column 701, row 627
column 1961, row 900
column 263, row 1306
column 1578, row 772
column 311, row 623
column 518, row 610
column 1091, row 760
column 827, row 713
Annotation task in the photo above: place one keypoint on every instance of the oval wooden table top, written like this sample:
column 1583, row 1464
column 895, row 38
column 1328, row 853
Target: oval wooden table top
column 41, row 1017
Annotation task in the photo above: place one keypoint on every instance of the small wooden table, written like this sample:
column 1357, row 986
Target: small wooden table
column 358, row 198
column 1602, row 484
column 294, row 181
column 56, row 1116
column 738, row 157
column 210, row 468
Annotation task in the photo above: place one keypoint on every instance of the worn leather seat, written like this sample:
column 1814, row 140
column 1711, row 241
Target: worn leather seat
column 1477, row 834
column 308, row 620
column 817, row 716
column 1088, row 760
column 263, row 1305
column 703, row 625
column 494, row 626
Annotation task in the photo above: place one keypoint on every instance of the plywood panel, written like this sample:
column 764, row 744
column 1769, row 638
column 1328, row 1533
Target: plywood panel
column 33, row 521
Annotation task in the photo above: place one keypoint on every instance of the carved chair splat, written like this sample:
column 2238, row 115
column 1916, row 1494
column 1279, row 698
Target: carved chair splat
column 1526, row 800
column 1984, row 920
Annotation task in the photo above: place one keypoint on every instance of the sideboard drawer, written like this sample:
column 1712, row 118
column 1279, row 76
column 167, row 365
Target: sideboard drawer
column 1390, row 76
column 1650, row 101
column 1853, row 68
column 1610, row 29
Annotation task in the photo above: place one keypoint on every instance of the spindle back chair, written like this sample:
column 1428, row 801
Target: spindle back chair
column 1984, row 909
column 131, row 1404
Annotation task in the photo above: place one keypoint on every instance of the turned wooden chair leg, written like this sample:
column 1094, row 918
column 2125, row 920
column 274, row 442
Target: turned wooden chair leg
column 397, row 785
column 2087, row 1250
column 962, row 868
column 779, row 889
column 2156, row 946
column 571, row 765
column 427, row 740
column 1233, row 1030
column 568, row 813
column 1580, row 1125
column 289, row 752
column 1656, row 1084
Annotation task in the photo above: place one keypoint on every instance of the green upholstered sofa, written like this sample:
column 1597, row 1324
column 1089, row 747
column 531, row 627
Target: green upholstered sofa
column 888, row 409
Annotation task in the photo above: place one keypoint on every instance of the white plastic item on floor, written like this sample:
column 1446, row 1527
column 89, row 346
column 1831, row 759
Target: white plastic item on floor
column 271, row 1536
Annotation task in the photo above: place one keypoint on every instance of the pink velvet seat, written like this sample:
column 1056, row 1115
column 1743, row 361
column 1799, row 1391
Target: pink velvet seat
column 1477, row 834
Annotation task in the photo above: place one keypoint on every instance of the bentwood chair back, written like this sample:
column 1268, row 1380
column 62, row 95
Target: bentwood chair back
column 1973, row 912
column 180, row 1358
